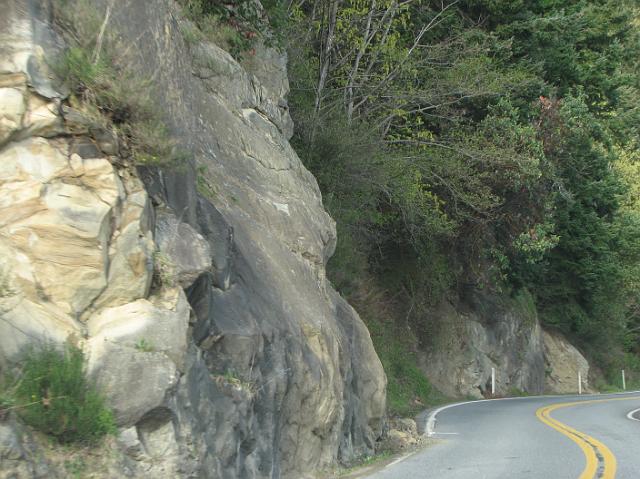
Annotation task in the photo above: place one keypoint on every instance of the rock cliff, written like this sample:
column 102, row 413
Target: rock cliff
column 484, row 330
column 480, row 332
column 198, row 293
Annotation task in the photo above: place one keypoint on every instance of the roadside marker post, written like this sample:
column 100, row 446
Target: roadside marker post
column 493, row 381
column 624, row 382
column 579, row 382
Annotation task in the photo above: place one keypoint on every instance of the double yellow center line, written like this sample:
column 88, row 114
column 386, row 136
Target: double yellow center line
column 600, row 461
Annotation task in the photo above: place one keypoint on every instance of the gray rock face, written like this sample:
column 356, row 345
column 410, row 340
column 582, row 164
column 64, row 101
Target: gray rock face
column 483, row 332
column 186, row 250
column 266, row 372
column 281, row 377
column 20, row 456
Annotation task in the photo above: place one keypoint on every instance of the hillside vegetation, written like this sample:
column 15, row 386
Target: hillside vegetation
column 483, row 142
column 490, row 143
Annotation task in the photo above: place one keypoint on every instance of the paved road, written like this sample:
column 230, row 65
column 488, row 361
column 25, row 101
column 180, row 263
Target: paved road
column 561, row 437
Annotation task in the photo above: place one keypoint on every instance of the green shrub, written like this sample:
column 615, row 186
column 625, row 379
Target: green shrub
column 144, row 346
column 100, row 74
column 408, row 389
column 237, row 25
column 233, row 26
column 164, row 270
column 53, row 395
column 76, row 467
column 515, row 392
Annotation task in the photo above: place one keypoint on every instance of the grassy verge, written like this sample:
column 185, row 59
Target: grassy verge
column 408, row 391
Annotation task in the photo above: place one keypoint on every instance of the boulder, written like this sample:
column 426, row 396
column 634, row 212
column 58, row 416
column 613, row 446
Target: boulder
column 401, row 437
column 186, row 251
column 133, row 381
column 157, row 324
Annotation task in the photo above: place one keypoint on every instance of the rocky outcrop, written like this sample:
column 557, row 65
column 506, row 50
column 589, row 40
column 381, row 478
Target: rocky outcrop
column 20, row 456
column 183, row 253
column 480, row 332
column 403, row 436
column 563, row 362
column 258, row 369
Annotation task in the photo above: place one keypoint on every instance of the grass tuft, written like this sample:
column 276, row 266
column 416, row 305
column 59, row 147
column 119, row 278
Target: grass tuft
column 53, row 395
column 100, row 74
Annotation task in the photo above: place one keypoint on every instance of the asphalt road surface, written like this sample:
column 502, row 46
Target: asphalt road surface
column 547, row 437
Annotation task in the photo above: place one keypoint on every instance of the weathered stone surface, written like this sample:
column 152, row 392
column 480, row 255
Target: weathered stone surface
column 402, row 436
column 58, row 212
column 259, row 85
column 20, row 457
column 219, row 234
column 158, row 434
column 72, row 217
column 42, row 117
column 282, row 373
column 562, row 364
column 279, row 377
column 136, row 352
column 366, row 409
column 129, row 441
column 158, row 324
column 10, row 444
column 106, row 140
column 24, row 322
column 12, row 110
column 133, row 381
column 483, row 332
column 185, row 248
column 272, row 86
column 131, row 252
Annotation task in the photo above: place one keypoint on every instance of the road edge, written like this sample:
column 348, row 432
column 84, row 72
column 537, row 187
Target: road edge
column 632, row 415
column 426, row 420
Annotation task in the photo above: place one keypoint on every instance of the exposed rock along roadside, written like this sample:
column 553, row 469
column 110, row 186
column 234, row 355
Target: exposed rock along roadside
column 245, row 295
column 254, row 367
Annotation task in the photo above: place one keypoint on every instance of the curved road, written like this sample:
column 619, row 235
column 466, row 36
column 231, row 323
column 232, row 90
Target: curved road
column 549, row 437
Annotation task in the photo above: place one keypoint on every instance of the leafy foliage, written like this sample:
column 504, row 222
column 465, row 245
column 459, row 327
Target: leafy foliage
column 483, row 152
column 54, row 396
column 408, row 390
column 237, row 25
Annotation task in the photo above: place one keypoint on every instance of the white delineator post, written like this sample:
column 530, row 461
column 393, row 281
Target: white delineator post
column 624, row 383
column 493, row 381
column 579, row 382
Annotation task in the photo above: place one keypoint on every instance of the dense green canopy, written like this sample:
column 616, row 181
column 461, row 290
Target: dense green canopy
column 477, row 142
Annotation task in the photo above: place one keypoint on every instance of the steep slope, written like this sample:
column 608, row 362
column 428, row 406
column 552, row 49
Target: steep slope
column 265, row 371
column 488, row 330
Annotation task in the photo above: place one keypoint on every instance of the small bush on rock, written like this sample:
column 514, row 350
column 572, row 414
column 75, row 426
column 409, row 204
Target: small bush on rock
column 101, row 76
column 53, row 395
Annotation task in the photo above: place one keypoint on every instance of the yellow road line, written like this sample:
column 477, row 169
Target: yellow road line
column 594, row 450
